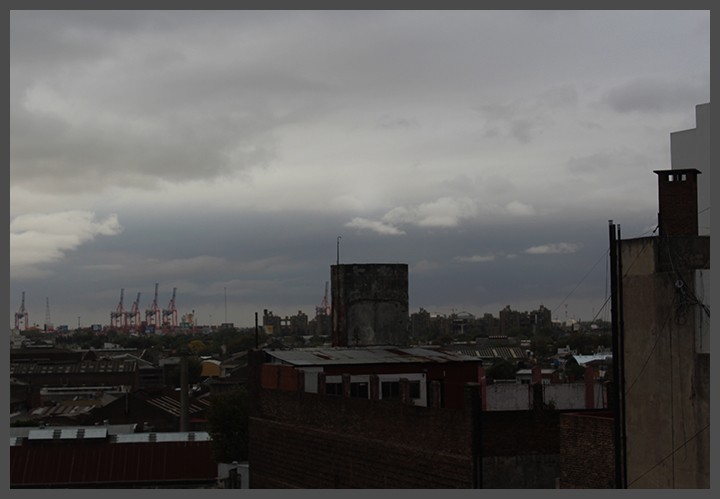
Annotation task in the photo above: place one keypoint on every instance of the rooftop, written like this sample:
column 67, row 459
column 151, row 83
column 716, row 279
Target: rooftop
column 367, row 355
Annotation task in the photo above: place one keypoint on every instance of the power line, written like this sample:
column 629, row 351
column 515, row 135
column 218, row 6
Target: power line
column 581, row 280
column 604, row 255
column 672, row 453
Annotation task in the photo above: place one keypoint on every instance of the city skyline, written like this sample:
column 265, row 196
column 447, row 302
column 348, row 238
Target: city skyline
column 237, row 155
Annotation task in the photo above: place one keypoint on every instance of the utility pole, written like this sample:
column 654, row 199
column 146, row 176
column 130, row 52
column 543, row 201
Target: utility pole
column 184, row 392
column 617, row 342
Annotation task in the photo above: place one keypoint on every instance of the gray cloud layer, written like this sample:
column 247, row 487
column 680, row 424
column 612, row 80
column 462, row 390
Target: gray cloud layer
column 225, row 151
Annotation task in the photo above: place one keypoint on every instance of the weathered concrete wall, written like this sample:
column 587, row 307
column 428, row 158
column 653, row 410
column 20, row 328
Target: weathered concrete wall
column 536, row 471
column 562, row 396
column 509, row 397
column 369, row 304
column 667, row 406
column 572, row 396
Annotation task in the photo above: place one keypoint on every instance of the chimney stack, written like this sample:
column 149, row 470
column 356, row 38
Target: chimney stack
column 677, row 199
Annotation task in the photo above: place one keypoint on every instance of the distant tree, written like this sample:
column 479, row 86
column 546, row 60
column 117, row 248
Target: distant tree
column 245, row 342
column 443, row 339
column 196, row 346
column 502, row 369
column 228, row 425
column 543, row 346
column 573, row 370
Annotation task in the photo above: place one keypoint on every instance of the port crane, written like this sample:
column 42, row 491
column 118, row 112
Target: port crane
column 21, row 316
column 171, row 312
column 132, row 318
column 152, row 314
column 117, row 318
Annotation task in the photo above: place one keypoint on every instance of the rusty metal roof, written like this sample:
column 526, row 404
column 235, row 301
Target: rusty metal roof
column 490, row 352
column 85, row 367
column 106, row 463
column 366, row 355
column 172, row 405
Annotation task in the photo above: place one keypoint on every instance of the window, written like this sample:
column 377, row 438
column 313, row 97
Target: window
column 414, row 389
column 359, row 390
column 390, row 390
column 333, row 388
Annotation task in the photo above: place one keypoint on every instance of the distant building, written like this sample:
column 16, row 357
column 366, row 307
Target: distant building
column 384, row 366
column 513, row 322
column 272, row 324
column 690, row 149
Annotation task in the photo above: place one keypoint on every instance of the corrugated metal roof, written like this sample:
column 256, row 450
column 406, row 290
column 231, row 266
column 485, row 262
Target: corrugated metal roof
column 529, row 371
column 24, row 431
column 366, row 355
column 487, row 352
column 63, row 410
column 188, row 436
column 584, row 359
column 67, row 433
column 172, row 405
column 99, row 366
column 77, row 463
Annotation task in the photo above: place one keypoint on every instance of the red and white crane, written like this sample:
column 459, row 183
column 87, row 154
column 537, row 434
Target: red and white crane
column 152, row 314
column 132, row 318
column 324, row 307
column 117, row 318
column 21, row 316
column 171, row 312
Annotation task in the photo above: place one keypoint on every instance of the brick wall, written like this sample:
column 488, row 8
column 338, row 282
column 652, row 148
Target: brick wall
column 587, row 455
column 305, row 440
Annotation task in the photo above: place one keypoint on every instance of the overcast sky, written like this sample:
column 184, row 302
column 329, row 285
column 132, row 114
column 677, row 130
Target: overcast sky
column 223, row 153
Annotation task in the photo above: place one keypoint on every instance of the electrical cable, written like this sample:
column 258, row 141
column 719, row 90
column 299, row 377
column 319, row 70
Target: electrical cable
column 647, row 359
column 581, row 280
column 604, row 255
column 672, row 453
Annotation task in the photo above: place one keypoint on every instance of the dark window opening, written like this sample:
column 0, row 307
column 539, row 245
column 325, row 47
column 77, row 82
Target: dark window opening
column 414, row 389
column 333, row 389
column 391, row 390
column 359, row 390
